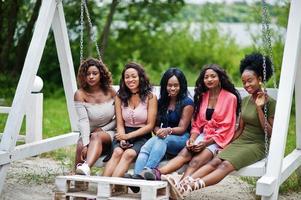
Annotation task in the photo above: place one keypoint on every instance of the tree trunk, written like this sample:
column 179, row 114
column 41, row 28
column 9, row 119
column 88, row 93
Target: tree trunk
column 106, row 31
column 9, row 36
column 23, row 44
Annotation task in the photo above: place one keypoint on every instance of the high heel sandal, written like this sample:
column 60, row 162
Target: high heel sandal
column 184, row 189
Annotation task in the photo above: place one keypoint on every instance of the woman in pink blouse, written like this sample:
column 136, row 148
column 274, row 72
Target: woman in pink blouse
column 136, row 110
column 217, row 104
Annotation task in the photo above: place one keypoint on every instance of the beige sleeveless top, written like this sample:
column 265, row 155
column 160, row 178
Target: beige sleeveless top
column 92, row 116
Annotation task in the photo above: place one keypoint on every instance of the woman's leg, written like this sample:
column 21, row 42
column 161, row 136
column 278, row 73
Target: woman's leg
column 97, row 140
column 219, row 174
column 143, row 156
column 79, row 152
column 113, row 162
column 124, row 163
column 177, row 162
column 157, row 153
column 207, row 168
column 197, row 161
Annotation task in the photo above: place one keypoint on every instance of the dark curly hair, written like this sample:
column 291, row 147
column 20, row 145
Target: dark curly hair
column 105, row 82
column 145, row 88
column 164, row 98
column 201, row 88
column 254, row 62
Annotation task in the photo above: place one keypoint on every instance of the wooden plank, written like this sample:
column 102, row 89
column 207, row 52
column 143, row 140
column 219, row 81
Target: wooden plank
column 115, row 180
column 290, row 163
column 257, row 169
column 66, row 63
column 5, row 109
column 290, row 63
column 36, row 148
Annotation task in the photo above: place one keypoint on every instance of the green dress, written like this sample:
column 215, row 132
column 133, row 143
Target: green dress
column 249, row 147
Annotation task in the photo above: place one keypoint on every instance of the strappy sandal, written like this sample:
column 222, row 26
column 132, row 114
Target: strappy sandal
column 184, row 189
column 173, row 182
column 187, row 180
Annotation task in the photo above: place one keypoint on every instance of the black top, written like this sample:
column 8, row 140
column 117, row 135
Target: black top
column 209, row 113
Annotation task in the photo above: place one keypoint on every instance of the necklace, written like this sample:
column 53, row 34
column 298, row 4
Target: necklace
column 134, row 93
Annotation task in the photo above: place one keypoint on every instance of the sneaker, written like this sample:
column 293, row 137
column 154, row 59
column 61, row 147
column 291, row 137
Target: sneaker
column 151, row 174
column 83, row 169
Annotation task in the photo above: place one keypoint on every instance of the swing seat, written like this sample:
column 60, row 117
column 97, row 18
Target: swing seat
column 256, row 169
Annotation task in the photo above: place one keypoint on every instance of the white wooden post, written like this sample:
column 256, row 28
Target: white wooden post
column 66, row 63
column 30, row 68
column 268, row 185
column 34, row 112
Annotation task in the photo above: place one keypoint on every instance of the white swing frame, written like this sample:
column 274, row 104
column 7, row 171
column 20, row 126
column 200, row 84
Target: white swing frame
column 52, row 15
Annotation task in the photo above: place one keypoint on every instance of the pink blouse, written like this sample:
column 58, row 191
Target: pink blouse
column 136, row 117
column 221, row 127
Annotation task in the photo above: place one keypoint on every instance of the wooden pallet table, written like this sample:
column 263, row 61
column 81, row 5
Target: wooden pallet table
column 113, row 188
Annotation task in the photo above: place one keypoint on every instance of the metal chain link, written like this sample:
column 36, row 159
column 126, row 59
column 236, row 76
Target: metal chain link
column 266, row 33
column 266, row 138
column 81, row 44
column 83, row 9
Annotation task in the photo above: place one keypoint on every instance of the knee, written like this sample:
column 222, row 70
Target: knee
column 95, row 137
column 196, row 162
column 117, row 153
column 215, row 162
column 129, row 155
column 226, row 165
column 185, row 154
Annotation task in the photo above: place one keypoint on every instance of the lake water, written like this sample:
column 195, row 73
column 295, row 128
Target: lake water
column 241, row 32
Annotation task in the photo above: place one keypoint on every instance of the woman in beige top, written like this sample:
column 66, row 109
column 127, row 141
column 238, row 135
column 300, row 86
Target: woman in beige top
column 94, row 103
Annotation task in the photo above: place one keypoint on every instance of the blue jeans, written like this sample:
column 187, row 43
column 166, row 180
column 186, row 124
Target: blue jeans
column 155, row 148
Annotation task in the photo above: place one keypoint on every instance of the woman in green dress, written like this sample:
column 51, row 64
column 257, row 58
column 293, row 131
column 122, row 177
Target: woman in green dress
column 249, row 146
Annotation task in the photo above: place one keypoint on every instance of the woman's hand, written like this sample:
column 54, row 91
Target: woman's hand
column 125, row 145
column 121, row 136
column 261, row 99
column 162, row 132
column 199, row 147
column 190, row 144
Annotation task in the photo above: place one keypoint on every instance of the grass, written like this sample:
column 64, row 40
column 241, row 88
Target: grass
column 56, row 122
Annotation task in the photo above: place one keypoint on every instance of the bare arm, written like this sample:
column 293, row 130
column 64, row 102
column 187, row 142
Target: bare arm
column 182, row 126
column 261, row 98
column 83, row 120
column 119, row 119
column 239, row 130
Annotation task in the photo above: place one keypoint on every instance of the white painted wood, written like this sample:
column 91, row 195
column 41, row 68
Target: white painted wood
column 290, row 163
column 29, row 71
column 34, row 117
column 298, row 104
column 283, row 107
column 267, row 186
column 66, row 63
column 3, row 172
column 149, row 189
column 38, row 147
column 4, row 109
column 257, row 170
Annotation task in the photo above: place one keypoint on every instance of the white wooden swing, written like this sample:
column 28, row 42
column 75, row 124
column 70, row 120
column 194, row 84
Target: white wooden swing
column 51, row 15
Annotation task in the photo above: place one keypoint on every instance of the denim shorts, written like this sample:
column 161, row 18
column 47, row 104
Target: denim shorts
column 212, row 147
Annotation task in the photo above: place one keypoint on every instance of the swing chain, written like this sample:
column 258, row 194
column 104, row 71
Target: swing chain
column 266, row 138
column 85, row 8
column 81, row 31
column 266, row 33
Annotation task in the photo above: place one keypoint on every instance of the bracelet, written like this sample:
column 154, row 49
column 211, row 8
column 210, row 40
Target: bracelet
column 170, row 131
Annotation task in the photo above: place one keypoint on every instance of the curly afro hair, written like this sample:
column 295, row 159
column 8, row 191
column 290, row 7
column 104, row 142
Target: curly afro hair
column 254, row 62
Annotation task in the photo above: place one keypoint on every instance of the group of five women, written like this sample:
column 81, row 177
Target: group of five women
column 215, row 133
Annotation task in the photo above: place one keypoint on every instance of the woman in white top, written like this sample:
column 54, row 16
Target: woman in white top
column 94, row 103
